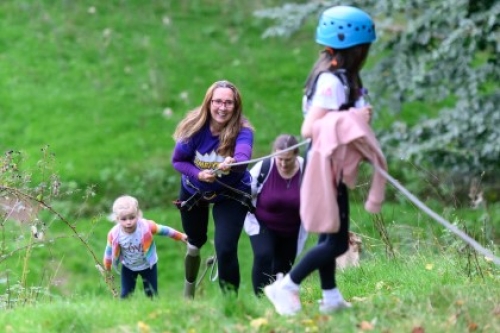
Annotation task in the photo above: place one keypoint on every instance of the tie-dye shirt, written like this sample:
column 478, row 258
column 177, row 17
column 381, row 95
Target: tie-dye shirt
column 113, row 255
column 131, row 250
column 200, row 153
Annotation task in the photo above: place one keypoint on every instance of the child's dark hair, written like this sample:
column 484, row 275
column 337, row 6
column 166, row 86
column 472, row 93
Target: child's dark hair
column 351, row 59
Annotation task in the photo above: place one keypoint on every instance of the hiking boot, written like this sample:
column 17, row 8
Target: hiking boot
column 286, row 302
column 329, row 307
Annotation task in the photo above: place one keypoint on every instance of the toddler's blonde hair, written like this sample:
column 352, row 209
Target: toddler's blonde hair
column 125, row 204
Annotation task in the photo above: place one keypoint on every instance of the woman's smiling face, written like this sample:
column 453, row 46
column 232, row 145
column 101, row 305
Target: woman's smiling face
column 221, row 106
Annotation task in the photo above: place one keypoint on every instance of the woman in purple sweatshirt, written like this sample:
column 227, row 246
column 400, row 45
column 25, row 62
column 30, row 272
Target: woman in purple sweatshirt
column 208, row 140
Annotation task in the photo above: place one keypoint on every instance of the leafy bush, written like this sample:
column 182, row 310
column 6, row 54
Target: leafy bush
column 441, row 56
column 27, row 214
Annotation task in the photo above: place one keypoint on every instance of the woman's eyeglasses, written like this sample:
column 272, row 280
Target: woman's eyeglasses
column 219, row 102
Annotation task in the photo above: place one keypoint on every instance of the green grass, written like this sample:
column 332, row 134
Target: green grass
column 94, row 84
column 428, row 291
column 433, row 282
column 92, row 80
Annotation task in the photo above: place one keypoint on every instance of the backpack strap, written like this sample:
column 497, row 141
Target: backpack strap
column 341, row 74
column 264, row 171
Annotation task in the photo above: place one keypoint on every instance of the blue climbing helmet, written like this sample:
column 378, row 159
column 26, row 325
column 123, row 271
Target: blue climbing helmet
column 341, row 27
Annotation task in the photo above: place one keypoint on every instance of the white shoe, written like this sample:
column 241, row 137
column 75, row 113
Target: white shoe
column 286, row 302
column 328, row 307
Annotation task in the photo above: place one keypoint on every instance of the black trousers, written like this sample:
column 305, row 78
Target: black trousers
column 129, row 280
column 273, row 253
column 228, row 216
column 322, row 256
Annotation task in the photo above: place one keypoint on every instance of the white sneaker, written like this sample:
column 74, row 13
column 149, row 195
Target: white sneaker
column 328, row 307
column 286, row 302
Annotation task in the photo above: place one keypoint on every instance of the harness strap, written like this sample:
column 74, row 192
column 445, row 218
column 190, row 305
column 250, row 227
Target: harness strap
column 189, row 202
column 238, row 195
column 233, row 193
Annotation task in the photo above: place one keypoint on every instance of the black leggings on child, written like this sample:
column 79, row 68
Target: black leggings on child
column 322, row 256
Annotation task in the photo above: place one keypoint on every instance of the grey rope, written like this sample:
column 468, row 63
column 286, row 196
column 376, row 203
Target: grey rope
column 210, row 262
column 466, row 238
column 214, row 272
column 487, row 253
column 438, row 218
column 255, row 160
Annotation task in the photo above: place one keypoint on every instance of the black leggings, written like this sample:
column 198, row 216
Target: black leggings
column 273, row 253
column 322, row 256
column 228, row 216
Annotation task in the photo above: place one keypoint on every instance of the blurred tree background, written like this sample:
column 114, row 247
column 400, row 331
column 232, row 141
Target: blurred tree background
column 436, row 72
column 102, row 86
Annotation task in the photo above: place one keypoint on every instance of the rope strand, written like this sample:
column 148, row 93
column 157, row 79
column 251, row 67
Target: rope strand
column 466, row 238
column 255, row 160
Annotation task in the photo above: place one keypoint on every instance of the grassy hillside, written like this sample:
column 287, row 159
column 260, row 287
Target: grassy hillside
column 432, row 282
column 105, row 85
column 102, row 85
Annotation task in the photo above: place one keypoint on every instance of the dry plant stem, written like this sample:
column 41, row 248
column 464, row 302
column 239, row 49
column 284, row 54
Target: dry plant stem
column 109, row 281
column 8, row 288
column 488, row 228
column 478, row 201
column 382, row 230
column 25, row 269
column 11, row 253
column 472, row 260
column 473, row 254
column 51, row 279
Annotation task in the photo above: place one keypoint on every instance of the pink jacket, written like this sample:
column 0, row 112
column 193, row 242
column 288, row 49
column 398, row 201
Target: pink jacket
column 341, row 140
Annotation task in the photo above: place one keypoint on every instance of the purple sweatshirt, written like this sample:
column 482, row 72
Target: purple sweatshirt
column 278, row 203
column 200, row 152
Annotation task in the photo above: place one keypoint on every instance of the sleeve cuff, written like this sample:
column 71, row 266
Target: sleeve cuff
column 373, row 207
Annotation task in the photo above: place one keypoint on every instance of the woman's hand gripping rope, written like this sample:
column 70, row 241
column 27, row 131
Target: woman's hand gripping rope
column 209, row 176
column 231, row 162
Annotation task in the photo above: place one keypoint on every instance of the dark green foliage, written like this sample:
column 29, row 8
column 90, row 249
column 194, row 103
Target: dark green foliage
column 443, row 57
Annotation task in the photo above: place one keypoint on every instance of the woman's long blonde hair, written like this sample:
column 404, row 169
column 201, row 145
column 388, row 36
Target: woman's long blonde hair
column 197, row 118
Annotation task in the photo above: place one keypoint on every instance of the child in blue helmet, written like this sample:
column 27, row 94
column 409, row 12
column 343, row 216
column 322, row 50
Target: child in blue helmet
column 334, row 84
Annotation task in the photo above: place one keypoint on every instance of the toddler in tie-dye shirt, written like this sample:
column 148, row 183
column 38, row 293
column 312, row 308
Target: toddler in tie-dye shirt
column 130, row 242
